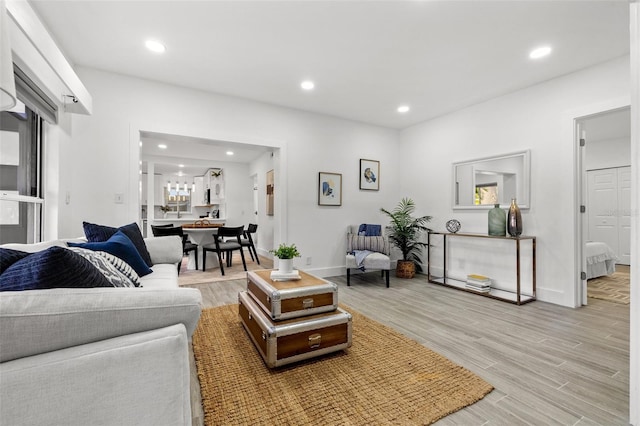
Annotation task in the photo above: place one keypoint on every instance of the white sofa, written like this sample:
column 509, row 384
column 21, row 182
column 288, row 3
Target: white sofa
column 99, row 356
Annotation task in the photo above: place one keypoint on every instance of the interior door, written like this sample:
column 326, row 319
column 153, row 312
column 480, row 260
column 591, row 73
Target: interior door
column 602, row 207
column 624, row 215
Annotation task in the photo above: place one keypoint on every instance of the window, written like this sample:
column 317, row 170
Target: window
column 21, row 197
column 486, row 193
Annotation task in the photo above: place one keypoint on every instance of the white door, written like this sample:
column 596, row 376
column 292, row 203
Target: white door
column 602, row 206
column 624, row 215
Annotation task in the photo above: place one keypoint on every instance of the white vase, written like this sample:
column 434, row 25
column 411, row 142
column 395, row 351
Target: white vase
column 285, row 266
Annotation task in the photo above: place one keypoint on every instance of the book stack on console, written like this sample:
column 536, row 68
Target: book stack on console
column 478, row 283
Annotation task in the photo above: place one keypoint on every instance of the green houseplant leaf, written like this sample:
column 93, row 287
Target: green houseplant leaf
column 404, row 230
column 285, row 251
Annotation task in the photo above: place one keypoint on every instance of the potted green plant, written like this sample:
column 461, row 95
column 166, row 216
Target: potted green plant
column 404, row 232
column 285, row 253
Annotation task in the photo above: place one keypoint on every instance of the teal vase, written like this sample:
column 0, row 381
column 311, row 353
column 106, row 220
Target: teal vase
column 497, row 221
column 514, row 219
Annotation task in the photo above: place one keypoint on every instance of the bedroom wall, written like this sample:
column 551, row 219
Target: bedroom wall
column 101, row 158
column 608, row 153
column 534, row 118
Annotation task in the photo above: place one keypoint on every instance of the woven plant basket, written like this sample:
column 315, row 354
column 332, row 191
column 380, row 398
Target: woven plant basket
column 405, row 269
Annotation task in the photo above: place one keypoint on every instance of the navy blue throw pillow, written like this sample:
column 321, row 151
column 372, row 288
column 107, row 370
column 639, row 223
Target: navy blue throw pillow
column 8, row 257
column 120, row 246
column 99, row 233
column 55, row 267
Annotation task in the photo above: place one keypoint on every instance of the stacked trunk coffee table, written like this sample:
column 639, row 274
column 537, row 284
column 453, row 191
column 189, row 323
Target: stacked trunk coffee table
column 290, row 321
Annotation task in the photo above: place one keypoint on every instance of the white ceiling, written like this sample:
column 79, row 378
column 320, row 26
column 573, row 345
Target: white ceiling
column 195, row 154
column 366, row 57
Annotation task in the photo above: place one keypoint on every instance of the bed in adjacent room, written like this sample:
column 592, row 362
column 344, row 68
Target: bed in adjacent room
column 601, row 260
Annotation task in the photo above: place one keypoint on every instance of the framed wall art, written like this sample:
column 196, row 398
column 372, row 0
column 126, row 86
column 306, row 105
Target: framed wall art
column 329, row 189
column 369, row 174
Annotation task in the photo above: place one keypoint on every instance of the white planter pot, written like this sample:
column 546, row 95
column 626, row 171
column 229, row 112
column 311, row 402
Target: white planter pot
column 285, row 266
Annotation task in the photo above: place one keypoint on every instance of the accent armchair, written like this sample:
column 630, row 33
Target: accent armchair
column 367, row 253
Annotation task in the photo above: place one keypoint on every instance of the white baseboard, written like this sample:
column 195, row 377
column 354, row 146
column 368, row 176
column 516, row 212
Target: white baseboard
column 552, row 296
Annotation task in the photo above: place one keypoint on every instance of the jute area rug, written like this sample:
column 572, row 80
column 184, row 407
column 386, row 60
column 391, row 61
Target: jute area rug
column 614, row 288
column 384, row 378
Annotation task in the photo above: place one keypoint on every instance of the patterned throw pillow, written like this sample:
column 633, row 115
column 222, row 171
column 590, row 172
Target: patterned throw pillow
column 361, row 242
column 111, row 273
column 121, row 246
column 123, row 267
column 99, row 233
column 55, row 267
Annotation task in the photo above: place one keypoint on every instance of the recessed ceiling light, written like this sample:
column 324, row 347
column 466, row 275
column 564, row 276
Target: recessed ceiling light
column 307, row 85
column 180, row 165
column 229, row 152
column 155, row 46
column 162, row 146
column 403, row 108
column 540, row 52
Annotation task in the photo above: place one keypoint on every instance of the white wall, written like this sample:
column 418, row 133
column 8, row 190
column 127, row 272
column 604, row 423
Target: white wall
column 533, row 118
column 101, row 159
column 608, row 153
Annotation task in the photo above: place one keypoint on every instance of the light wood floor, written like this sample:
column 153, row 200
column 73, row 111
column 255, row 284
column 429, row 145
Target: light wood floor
column 549, row 364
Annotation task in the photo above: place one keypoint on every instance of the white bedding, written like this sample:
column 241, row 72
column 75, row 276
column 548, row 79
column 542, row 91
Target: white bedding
column 601, row 260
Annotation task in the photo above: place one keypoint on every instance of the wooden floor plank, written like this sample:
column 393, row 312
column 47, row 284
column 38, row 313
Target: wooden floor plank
column 549, row 364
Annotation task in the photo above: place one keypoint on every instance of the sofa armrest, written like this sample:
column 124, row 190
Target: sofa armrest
column 137, row 379
column 166, row 249
column 39, row 321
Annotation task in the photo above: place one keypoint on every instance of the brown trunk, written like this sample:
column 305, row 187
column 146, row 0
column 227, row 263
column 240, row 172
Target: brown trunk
column 405, row 269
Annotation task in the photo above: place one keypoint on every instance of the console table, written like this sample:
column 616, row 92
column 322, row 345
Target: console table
column 515, row 297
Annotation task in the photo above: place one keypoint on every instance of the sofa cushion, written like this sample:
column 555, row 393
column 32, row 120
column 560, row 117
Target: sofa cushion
column 34, row 247
column 99, row 233
column 8, row 257
column 165, row 275
column 33, row 322
column 51, row 268
column 105, row 265
column 121, row 246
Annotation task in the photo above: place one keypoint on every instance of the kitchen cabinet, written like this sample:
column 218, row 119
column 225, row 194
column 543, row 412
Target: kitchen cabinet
column 199, row 193
column 214, row 181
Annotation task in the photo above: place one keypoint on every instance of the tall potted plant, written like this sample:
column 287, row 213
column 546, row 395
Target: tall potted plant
column 404, row 232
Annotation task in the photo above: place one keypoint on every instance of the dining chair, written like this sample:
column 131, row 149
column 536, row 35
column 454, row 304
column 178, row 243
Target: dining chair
column 247, row 241
column 226, row 247
column 187, row 246
column 167, row 225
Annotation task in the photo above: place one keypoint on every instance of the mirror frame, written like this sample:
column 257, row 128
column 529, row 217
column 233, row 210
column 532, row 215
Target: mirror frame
column 523, row 200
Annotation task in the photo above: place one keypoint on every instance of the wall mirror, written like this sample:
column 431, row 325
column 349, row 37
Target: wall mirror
column 484, row 182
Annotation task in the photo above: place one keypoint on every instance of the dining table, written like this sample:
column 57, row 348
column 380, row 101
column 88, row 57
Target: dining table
column 202, row 233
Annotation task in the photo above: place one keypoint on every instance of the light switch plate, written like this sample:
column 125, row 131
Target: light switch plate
column 119, row 198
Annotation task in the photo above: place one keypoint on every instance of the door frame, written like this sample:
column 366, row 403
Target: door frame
column 573, row 133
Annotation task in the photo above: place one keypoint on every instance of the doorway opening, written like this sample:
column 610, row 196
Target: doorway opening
column 605, row 182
